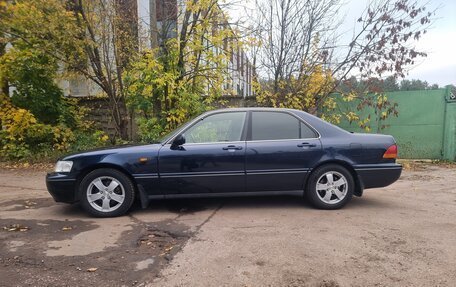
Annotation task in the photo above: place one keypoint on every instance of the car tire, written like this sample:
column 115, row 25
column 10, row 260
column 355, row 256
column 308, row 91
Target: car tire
column 330, row 187
column 106, row 192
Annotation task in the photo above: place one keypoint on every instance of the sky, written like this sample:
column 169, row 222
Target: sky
column 439, row 42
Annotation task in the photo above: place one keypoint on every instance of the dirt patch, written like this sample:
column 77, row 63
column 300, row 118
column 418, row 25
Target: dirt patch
column 140, row 253
column 293, row 280
column 419, row 177
column 184, row 206
column 413, row 165
column 421, row 165
column 21, row 166
column 22, row 252
column 15, row 205
column 161, row 241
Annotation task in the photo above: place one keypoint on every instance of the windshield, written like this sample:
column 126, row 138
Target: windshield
column 172, row 133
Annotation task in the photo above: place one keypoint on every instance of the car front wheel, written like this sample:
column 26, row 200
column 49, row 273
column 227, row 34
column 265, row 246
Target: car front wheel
column 330, row 187
column 106, row 192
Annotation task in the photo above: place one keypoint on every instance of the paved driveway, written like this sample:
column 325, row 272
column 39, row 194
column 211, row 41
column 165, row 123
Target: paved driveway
column 403, row 235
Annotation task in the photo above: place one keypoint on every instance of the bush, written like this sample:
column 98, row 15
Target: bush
column 88, row 140
column 22, row 136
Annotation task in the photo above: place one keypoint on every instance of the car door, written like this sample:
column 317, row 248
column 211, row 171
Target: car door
column 280, row 151
column 212, row 159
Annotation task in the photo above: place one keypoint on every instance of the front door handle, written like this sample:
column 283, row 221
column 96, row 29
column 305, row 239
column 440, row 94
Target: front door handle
column 232, row 147
column 305, row 144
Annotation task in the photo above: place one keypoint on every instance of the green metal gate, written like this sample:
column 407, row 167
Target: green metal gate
column 425, row 127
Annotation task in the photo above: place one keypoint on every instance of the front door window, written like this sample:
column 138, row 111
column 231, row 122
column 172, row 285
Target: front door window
column 223, row 127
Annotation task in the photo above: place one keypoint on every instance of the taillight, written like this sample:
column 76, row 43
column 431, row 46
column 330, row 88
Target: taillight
column 391, row 152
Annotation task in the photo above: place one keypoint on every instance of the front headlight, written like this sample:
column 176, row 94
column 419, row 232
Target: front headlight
column 63, row 166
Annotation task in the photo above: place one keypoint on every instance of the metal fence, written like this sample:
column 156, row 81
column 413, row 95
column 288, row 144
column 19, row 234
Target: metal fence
column 425, row 127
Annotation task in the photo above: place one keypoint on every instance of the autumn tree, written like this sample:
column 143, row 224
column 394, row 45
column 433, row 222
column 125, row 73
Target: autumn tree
column 94, row 39
column 301, row 43
column 99, row 40
column 31, row 73
column 187, row 69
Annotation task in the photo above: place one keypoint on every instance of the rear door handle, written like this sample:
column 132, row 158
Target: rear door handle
column 232, row 147
column 305, row 144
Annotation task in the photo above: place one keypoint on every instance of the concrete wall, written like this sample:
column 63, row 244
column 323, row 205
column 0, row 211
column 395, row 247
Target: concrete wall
column 100, row 113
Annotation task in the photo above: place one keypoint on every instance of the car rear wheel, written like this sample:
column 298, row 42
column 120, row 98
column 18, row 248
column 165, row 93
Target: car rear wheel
column 330, row 187
column 106, row 192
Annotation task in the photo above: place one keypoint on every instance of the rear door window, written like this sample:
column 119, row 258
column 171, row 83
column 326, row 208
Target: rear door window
column 277, row 126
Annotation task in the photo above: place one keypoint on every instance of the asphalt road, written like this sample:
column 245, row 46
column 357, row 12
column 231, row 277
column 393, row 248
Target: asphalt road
column 403, row 235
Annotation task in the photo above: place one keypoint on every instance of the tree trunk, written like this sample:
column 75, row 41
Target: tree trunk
column 4, row 86
column 120, row 116
column 153, row 24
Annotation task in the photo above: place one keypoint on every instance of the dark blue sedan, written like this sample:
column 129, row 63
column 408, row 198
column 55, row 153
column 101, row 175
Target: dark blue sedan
column 231, row 152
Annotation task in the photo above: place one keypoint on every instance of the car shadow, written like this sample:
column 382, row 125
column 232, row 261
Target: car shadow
column 192, row 205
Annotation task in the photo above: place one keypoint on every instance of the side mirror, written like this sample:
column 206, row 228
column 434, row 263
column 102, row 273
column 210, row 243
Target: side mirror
column 178, row 141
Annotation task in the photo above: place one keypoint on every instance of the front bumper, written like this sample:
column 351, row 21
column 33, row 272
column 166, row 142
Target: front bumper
column 378, row 175
column 62, row 187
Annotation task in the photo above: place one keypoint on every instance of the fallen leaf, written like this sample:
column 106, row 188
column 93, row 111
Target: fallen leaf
column 67, row 228
column 93, row 269
column 16, row 227
column 29, row 203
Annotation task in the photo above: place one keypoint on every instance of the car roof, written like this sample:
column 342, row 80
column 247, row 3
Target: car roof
column 246, row 109
column 243, row 109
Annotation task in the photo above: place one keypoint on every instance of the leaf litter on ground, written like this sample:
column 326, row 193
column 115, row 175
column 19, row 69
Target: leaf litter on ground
column 16, row 227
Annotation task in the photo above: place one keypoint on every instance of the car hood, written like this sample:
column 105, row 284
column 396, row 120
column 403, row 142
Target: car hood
column 123, row 149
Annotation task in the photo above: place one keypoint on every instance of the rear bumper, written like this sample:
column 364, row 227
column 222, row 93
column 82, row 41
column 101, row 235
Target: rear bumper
column 379, row 175
column 61, row 187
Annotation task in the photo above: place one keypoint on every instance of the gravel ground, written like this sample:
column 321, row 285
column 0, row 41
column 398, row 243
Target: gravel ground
column 403, row 235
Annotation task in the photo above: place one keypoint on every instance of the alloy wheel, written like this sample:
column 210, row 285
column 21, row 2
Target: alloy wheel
column 332, row 187
column 105, row 194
